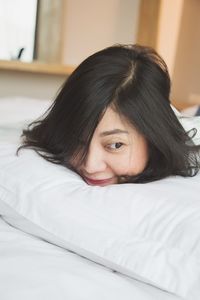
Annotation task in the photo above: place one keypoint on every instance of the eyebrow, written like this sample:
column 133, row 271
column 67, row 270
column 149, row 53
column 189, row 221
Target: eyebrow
column 114, row 131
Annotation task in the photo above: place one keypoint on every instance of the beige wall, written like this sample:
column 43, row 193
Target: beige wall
column 39, row 86
column 95, row 24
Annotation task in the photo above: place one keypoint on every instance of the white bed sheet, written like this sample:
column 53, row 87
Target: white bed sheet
column 34, row 269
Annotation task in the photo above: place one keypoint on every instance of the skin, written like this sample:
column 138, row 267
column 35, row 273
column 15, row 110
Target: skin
column 116, row 149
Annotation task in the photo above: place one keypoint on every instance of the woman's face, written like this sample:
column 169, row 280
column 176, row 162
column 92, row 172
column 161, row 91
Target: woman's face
column 116, row 149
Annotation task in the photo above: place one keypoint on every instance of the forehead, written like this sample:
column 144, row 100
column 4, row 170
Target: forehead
column 112, row 120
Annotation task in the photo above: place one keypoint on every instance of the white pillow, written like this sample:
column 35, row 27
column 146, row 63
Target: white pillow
column 189, row 123
column 21, row 109
column 150, row 232
column 16, row 113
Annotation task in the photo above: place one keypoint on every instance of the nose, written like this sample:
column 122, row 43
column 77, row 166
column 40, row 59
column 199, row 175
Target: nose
column 95, row 161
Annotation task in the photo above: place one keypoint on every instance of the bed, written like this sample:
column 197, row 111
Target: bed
column 34, row 269
column 40, row 260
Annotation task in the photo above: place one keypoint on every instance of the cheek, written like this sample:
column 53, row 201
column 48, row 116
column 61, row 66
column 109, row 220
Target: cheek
column 120, row 164
column 131, row 162
column 139, row 159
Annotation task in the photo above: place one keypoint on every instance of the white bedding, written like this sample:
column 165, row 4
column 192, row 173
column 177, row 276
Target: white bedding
column 16, row 113
column 34, row 269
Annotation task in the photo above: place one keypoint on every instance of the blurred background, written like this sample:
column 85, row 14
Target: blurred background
column 42, row 41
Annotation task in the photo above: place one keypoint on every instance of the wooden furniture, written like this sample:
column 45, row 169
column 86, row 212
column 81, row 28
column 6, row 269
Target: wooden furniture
column 148, row 22
column 36, row 67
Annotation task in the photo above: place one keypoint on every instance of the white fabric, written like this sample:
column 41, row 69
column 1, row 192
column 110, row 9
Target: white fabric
column 190, row 111
column 189, row 123
column 16, row 113
column 18, row 109
column 172, row 234
column 149, row 232
column 35, row 270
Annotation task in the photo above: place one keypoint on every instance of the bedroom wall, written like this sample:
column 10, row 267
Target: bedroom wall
column 116, row 21
column 90, row 25
column 13, row 83
column 93, row 25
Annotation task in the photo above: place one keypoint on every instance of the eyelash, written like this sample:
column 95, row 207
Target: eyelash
column 114, row 149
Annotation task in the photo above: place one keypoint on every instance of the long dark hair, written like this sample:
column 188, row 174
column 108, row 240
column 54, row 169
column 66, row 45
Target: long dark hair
column 134, row 80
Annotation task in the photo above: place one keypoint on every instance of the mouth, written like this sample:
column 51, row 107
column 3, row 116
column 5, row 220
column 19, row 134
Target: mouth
column 101, row 182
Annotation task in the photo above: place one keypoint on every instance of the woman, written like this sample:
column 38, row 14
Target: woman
column 112, row 121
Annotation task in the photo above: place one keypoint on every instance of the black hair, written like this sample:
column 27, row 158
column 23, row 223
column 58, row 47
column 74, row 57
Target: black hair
column 134, row 80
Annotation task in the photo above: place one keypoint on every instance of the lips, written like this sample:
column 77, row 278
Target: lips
column 101, row 182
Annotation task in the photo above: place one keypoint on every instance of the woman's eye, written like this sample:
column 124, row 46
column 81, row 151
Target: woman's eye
column 115, row 146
